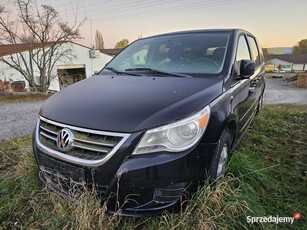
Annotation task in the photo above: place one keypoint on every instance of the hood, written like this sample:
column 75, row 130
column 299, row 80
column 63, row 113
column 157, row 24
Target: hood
column 130, row 103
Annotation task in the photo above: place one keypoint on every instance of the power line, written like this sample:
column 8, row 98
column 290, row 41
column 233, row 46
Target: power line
column 111, row 11
column 177, row 9
column 84, row 9
column 120, row 7
column 151, row 8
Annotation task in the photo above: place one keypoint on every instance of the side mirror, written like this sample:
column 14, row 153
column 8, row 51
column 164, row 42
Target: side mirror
column 244, row 68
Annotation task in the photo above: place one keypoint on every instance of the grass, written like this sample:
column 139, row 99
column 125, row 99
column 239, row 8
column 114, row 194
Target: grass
column 23, row 97
column 266, row 176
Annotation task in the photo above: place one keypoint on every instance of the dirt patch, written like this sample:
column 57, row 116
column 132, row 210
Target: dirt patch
column 302, row 80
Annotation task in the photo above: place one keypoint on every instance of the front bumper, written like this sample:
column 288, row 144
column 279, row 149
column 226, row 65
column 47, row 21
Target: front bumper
column 131, row 185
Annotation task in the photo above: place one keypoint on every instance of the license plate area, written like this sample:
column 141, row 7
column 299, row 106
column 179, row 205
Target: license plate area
column 68, row 180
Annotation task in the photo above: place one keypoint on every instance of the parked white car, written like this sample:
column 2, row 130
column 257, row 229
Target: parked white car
column 278, row 73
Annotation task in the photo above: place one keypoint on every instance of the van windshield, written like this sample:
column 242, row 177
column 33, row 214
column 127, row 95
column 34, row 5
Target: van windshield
column 194, row 53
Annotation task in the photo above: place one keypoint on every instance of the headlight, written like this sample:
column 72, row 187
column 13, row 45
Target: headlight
column 175, row 137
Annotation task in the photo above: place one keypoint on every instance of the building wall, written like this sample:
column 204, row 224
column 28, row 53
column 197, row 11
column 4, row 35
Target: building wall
column 269, row 68
column 9, row 74
column 82, row 58
column 298, row 67
column 286, row 66
column 276, row 61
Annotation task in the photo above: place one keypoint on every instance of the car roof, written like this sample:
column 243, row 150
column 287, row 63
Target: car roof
column 201, row 31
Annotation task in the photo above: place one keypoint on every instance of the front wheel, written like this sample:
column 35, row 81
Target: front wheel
column 221, row 156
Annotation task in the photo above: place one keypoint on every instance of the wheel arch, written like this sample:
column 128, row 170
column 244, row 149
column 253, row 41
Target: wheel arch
column 232, row 128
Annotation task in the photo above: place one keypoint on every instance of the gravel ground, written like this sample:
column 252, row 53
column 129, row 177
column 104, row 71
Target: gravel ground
column 279, row 91
column 18, row 119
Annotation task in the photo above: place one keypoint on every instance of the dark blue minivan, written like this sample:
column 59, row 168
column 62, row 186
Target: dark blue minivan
column 162, row 114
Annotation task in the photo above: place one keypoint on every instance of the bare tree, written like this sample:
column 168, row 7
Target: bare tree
column 99, row 40
column 35, row 39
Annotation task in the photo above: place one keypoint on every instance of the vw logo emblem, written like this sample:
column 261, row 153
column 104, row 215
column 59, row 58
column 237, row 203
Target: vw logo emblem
column 65, row 140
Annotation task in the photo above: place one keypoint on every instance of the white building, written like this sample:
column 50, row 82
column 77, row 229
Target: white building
column 86, row 63
column 287, row 62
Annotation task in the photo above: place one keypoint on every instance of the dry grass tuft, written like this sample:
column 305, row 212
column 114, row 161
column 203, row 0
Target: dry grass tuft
column 23, row 97
column 301, row 80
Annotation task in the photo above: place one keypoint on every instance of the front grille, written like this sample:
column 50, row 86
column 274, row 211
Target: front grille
column 88, row 145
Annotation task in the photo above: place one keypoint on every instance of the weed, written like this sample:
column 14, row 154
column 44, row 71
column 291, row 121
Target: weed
column 266, row 176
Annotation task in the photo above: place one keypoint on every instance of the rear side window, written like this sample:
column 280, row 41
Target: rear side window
column 254, row 50
column 242, row 51
column 260, row 52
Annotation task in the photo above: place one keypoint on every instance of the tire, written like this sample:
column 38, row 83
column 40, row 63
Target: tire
column 221, row 156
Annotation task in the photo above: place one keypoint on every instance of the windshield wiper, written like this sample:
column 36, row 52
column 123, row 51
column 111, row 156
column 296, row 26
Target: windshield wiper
column 119, row 72
column 147, row 69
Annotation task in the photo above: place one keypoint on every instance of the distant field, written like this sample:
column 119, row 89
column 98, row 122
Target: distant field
column 267, row 176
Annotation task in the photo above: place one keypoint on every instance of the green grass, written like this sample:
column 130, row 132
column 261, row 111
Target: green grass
column 267, row 176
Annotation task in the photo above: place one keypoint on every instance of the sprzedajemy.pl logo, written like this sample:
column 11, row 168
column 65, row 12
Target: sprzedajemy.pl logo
column 273, row 219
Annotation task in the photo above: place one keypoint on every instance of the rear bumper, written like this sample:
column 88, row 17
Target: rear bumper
column 133, row 186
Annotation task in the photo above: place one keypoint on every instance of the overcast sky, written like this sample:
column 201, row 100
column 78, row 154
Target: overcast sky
column 275, row 22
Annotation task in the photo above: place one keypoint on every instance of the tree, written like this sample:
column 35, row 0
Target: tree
column 122, row 44
column 36, row 37
column 301, row 47
column 99, row 40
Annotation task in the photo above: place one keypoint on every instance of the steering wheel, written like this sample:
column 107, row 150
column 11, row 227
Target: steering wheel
column 208, row 61
column 188, row 57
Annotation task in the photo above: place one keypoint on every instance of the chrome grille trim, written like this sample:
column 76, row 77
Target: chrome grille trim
column 96, row 143
column 47, row 135
column 41, row 130
column 48, row 130
column 89, row 148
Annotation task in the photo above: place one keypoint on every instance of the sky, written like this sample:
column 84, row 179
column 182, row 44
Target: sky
column 276, row 23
